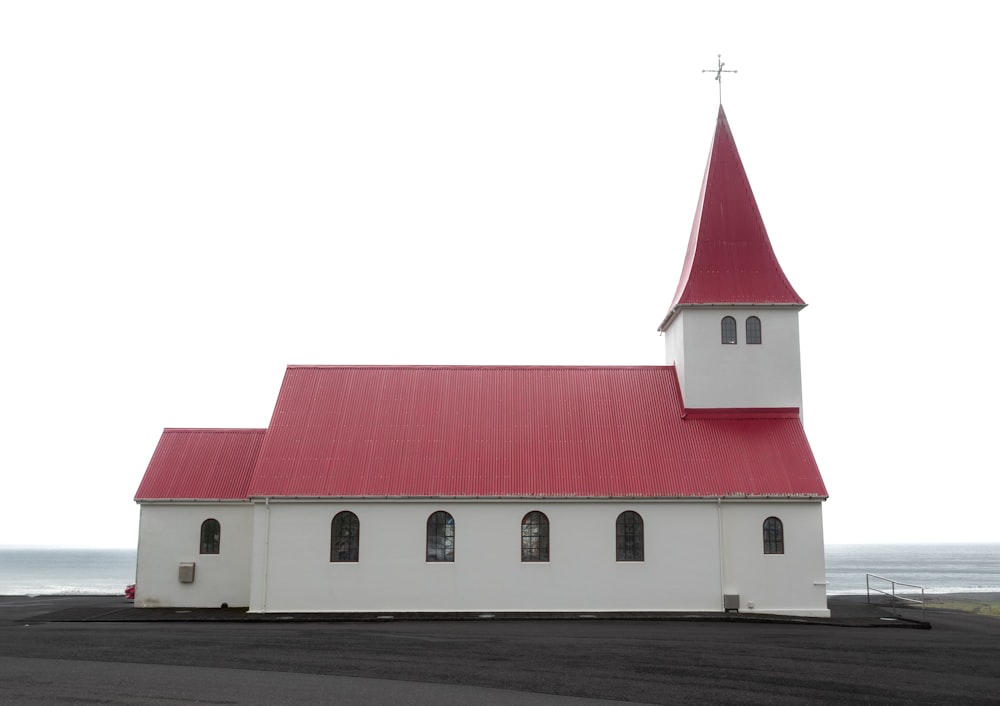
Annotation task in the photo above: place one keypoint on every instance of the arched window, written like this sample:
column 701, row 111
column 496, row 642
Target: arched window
column 211, row 533
column 535, row 537
column 753, row 329
column 728, row 329
column 345, row 533
column 440, row 537
column 774, row 536
column 628, row 537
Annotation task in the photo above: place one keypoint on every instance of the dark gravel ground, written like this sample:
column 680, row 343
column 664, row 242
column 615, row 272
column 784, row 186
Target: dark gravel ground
column 855, row 658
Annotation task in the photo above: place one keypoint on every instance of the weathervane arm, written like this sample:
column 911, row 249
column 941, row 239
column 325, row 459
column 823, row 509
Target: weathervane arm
column 718, row 71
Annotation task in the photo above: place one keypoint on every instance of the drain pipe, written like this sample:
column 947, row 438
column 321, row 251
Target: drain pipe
column 267, row 552
column 722, row 557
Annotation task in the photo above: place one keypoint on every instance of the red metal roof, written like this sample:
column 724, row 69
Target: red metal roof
column 729, row 256
column 560, row 432
column 201, row 464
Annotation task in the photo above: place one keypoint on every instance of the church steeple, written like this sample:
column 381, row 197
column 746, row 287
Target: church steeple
column 732, row 330
column 729, row 256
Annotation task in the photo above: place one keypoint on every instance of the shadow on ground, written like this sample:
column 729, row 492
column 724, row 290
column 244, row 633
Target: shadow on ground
column 845, row 611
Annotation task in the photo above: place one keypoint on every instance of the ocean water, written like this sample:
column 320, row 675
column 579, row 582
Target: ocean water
column 39, row 572
column 939, row 568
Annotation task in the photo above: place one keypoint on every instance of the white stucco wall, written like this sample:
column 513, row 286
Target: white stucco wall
column 790, row 583
column 681, row 571
column 717, row 375
column 170, row 534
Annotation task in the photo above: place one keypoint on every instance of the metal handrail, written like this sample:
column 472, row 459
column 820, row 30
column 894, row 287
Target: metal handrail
column 892, row 594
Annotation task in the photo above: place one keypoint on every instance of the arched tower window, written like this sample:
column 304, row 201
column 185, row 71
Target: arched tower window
column 345, row 535
column 535, row 537
column 774, row 536
column 628, row 537
column 728, row 329
column 440, row 537
column 753, row 329
column 211, row 534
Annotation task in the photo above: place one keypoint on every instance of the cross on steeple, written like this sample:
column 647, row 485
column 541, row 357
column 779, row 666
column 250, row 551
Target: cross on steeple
column 718, row 74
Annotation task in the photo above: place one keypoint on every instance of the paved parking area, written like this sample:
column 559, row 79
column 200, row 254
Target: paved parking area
column 559, row 661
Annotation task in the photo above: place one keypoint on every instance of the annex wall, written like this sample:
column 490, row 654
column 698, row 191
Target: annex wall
column 790, row 583
column 681, row 570
column 170, row 534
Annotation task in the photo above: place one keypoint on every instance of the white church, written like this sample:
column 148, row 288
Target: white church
column 689, row 486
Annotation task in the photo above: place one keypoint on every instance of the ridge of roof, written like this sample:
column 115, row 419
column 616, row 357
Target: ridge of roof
column 729, row 256
column 478, row 367
column 215, row 430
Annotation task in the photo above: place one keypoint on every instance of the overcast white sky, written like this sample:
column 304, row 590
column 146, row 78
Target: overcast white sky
column 195, row 194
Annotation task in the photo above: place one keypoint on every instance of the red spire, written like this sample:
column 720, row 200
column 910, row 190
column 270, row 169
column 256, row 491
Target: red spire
column 729, row 257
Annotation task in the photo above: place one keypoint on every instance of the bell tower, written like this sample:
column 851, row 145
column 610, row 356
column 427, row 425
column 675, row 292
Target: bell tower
column 732, row 330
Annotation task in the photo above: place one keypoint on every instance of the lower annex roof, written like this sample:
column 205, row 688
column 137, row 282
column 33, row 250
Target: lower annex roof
column 201, row 464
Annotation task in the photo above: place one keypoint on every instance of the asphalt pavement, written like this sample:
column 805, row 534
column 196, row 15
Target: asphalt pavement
column 101, row 650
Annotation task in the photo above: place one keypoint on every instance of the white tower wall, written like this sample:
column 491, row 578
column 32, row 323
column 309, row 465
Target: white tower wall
column 713, row 374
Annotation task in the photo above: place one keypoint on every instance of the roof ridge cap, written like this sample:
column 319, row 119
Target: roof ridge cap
column 473, row 367
column 215, row 430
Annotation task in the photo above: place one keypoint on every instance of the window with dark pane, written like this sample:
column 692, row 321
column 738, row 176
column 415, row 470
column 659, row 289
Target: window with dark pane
column 440, row 537
column 628, row 537
column 728, row 329
column 774, row 536
column 211, row 533
column 345, row 536
column 753, row 329
column 535, row 537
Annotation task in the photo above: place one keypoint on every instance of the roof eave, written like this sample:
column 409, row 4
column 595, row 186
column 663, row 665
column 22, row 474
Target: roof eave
column 537, row 498
column 174, row 501
column 676, row 309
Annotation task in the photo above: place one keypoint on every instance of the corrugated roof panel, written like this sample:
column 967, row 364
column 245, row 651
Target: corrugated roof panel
column 201, row 464
column 520, row 432
column 729, row 257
